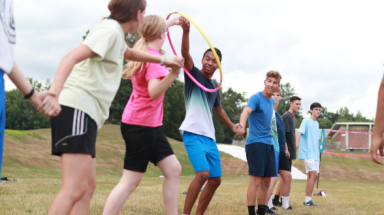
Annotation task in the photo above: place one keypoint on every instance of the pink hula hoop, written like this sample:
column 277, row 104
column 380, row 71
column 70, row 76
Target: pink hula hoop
column 186, row 71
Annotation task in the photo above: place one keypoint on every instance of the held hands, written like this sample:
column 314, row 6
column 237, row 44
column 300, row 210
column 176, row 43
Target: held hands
column 377, row 145
column 37, row 100
column 185, row 24
column 238, row 130
column 50, row 106
column 175, row 20
column 175, row 61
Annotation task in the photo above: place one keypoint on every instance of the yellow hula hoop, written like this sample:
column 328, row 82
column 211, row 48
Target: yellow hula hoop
column 210, row 45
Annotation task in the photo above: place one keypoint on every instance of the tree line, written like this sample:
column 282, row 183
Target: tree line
column 22, row 115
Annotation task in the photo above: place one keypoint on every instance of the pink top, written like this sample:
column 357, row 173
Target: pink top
column 141, row 109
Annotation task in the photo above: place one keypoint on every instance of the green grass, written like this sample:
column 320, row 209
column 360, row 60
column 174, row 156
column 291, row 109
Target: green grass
column 22, row 135
column 353, row 184
column 34, row 196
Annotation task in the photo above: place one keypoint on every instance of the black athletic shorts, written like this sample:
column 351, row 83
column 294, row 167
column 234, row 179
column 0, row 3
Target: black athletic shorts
column 144, row 144
column 285, row 163
column 73, row 131
column 261, row 159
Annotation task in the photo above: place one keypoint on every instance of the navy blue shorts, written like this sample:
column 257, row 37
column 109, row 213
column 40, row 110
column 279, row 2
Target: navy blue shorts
column 261, row 159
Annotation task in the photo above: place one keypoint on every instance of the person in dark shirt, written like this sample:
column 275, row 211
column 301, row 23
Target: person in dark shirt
column 285, row 163
column 197, row 128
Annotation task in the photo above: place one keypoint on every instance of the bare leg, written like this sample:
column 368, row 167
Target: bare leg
column 119, row 195
column 278, row 190
column 263, row 191
column 206, row 196
column 254, row 184
column 286, row 179
column 270, row 189
column 76, row 169
column 171, row 169
column 312, row 177
column 194, row 189
column 82, row 206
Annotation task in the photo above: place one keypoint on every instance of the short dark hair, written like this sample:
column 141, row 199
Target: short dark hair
column 315, row 105
column 294, row 98
column 218, row 52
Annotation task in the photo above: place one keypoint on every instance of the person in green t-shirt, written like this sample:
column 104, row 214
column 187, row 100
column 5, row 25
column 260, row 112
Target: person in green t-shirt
column 87, row 81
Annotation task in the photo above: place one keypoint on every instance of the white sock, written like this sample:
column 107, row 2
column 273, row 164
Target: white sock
column 285, row 202
column 270, row 205
column 308, row 198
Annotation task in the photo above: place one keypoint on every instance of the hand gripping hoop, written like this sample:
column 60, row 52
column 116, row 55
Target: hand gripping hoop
column 210, row 45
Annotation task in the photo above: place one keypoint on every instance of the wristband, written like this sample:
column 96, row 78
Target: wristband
column 162, row 61
column 29, row 94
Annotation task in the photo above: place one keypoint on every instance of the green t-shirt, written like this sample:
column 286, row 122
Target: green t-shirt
column 93, row 83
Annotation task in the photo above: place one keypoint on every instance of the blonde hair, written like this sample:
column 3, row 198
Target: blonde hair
column 274, row 74
column 150, row 30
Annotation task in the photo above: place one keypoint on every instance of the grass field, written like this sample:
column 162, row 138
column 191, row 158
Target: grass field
column 353, row 184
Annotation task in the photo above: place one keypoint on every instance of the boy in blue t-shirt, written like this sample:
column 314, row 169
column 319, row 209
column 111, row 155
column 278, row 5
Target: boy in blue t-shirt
column 259, row 145
column 307, row 141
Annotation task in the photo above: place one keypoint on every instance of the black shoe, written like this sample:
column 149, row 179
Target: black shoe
column 289, row 208
column 269, row 211
column 273, row 208
column 275, row 202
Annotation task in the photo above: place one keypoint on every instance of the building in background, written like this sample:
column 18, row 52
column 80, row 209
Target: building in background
column 352, row 141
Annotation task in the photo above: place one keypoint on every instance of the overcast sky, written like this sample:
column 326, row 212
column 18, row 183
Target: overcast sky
column 330, row 51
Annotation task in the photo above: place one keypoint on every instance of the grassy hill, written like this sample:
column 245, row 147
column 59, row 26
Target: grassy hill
column 28, row 154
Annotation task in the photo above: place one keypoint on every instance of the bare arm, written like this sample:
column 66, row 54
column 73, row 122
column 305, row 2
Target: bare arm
column 77, row 55
column 175, row 20
column 243, row 120
column 378, row 129
column 157, row 87
column 220, row 112
column 287, row 151
column 188, row 64
column 51, row 104
column 18, row 78
column 298, row 136
column 137, row 55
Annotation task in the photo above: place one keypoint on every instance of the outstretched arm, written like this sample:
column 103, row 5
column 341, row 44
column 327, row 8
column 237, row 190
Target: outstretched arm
column 51, row 104
column 220, row 112
column 137, row 55
column 18, row 78
column 188, row 62
column 243, row 121
column 157, row 87
column 377, row 140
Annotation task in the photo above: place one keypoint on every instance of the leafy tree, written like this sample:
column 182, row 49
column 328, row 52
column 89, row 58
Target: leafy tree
column 174, row 110
column 287, row 91
column 21, row 114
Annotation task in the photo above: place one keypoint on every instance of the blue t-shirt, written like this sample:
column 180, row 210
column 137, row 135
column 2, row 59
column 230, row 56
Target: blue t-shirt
column 309, row 140
column 199, row 105
column 260, row 119
column 280, row 131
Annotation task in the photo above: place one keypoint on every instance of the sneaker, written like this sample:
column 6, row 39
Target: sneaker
column 269, row 211
column 289, row 208
column 310, row 203
column 275, row 202
column 273, row 208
